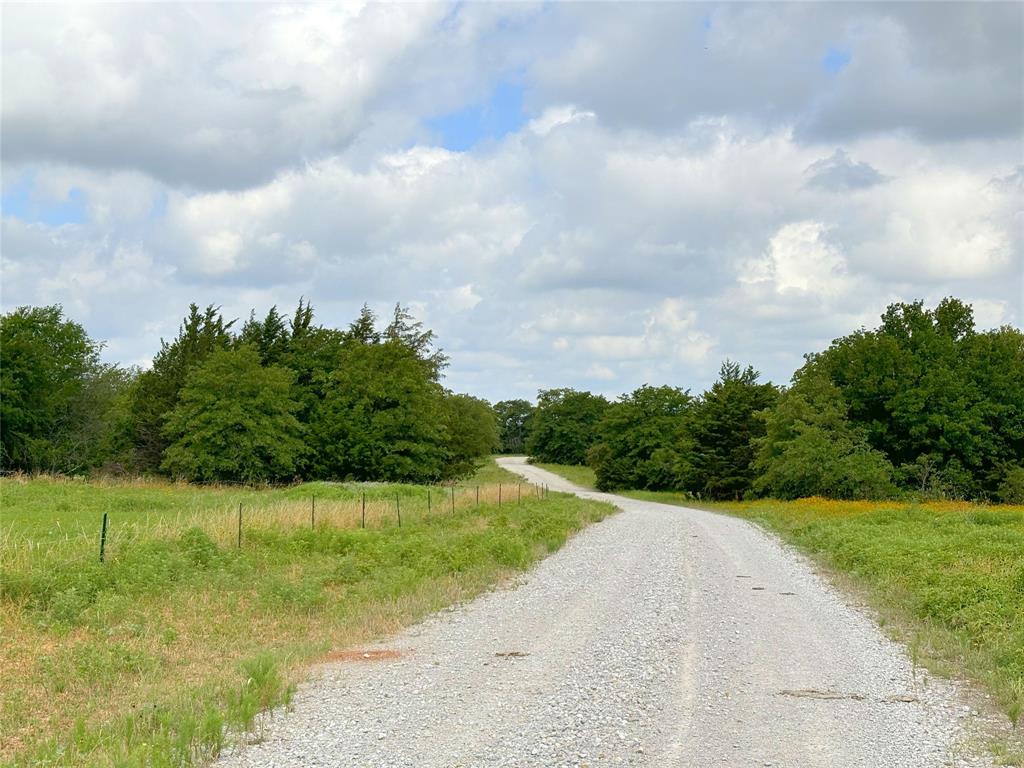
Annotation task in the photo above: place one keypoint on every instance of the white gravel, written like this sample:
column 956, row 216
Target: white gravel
column 662, row 636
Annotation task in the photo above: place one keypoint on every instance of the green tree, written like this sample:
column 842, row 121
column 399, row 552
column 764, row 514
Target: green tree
column 382, row 417
column 943, row 402
column 156, row 391
column 235, row 421
column 565, row 425
column 639, row 436
column 271, row 336
column 810, row 448
column 49, row 368
column 722, row 425
column 515, row 418
column 472, row 432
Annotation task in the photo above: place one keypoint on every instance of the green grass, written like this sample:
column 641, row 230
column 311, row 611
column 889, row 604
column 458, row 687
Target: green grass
column 581, row 475
column 182, row 637
column 947, row 578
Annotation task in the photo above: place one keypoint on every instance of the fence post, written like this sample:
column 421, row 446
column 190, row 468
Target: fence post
column 398, row 509
column 428, row 502
column 453, row 499
column 499, row 494
column 103, row 538
column 312, row 513
column 363, row 524
column 478, row 495
column 519, row 493
column 239, row 525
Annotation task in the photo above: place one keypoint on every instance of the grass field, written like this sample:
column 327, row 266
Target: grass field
column 581, row 475
column 158, row 655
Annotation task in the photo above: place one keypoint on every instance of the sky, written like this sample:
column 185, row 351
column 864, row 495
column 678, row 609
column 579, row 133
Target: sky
column 594, row 195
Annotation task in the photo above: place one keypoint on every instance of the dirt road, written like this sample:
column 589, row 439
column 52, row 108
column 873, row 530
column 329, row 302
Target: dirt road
column 660, row 637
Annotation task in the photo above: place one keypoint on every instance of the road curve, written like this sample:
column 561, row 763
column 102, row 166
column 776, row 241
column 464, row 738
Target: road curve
column 662, row 636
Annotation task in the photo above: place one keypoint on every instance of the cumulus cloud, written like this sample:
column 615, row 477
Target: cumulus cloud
column 673, row 195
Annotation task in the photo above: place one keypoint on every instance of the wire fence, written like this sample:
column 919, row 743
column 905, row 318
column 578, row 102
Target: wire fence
column 98, row 538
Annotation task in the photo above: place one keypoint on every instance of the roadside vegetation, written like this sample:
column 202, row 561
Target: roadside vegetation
column 274, row 400
column 168, row 650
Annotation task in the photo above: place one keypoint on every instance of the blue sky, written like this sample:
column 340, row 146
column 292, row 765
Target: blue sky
column 22, row 200
column 501, row 114
column 596, row 195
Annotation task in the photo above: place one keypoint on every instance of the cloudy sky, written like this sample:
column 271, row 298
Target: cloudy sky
column 588, row 195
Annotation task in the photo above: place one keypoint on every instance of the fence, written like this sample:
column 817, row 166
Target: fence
column 227, row 525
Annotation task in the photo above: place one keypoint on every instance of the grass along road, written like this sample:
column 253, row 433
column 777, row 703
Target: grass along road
column 181, row 636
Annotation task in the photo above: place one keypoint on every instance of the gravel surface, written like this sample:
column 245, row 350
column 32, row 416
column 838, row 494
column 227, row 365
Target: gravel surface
column 661, row 636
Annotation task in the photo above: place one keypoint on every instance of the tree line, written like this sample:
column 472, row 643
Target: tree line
column 275, row 399
column 924, row 403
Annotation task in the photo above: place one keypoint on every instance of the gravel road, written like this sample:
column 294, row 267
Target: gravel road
column 661, row 636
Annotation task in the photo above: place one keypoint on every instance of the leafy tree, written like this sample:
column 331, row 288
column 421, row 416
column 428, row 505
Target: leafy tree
column 472, row 432
column 382, row 417
column 47, row 368
column 156, row 391
column 235, row 421
column 718, row 447
column 943, row 402
column 515, row 418
column 810, row 448
column 565, row 425
column 639, row 435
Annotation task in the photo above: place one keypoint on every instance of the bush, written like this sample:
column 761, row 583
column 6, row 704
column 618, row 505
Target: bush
column 1011, row 490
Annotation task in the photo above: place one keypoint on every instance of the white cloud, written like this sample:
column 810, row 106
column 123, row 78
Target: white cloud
column 799, row 259
column 674, row 195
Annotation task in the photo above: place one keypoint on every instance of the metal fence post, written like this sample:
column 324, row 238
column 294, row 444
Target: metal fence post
column 103, row 538
column 453, row 499
column 239, row 525
column 398, row 509
column 312, row 513
column 363, row 524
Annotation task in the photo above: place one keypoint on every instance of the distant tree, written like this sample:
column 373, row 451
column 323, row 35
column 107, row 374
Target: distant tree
column 515, row 418
column 235, row 421
column 54, row 392
column 639, row 438
column 721, row 427
column 810, row 448
column 565, row 425
column 156, row 391
column 472, row 432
